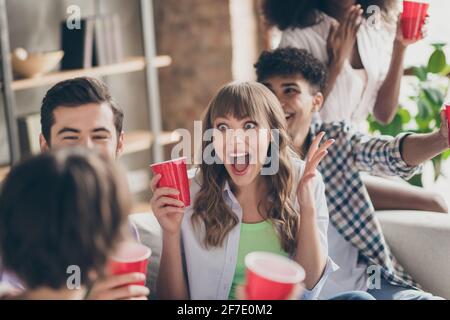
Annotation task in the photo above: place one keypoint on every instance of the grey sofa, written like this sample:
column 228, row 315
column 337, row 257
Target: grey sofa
column 420, row 241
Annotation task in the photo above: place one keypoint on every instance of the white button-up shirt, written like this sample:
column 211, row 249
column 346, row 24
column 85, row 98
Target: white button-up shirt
column 210, row 272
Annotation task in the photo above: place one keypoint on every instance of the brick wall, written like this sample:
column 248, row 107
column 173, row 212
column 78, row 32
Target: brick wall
column 197, row 35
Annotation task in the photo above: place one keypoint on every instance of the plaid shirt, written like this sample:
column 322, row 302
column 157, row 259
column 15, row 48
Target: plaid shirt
column 349, row 205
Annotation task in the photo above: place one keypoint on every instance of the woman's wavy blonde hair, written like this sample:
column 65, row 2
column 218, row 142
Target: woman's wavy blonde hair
column 241, row 100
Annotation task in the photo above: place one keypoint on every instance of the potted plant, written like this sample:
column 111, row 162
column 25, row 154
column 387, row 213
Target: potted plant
column 430, row 89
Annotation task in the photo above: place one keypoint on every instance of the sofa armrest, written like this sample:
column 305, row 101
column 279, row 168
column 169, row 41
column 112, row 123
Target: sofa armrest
column 421, row 243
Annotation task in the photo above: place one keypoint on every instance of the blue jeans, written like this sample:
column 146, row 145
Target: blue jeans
column 391, row 292
column 353, row 295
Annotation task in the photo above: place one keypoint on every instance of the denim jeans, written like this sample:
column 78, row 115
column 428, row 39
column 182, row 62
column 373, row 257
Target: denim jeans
column 391, row 292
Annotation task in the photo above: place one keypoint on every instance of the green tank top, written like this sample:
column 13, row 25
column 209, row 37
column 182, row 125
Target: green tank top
column 259, row 236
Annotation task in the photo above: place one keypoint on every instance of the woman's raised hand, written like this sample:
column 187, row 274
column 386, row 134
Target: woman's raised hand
column 342, row 36
column 305, row 192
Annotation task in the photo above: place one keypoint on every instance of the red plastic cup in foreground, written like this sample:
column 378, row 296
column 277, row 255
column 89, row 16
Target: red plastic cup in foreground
column 130, row 257
column 174, row 175
column 271, row 276
column 447, row 112
column 413, row 18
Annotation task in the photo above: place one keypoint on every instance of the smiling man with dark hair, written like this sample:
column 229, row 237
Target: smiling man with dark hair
column 81, row 112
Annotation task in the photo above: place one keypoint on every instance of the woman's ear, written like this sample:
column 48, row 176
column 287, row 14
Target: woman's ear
column 318, row 101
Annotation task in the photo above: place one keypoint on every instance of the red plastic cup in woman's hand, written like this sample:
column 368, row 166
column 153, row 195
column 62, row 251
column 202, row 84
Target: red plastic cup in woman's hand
column 270, row 276
column 130, row 257
column 413, row 18
column 174, row 175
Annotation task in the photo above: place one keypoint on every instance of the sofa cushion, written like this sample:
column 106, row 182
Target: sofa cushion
column 421, row 243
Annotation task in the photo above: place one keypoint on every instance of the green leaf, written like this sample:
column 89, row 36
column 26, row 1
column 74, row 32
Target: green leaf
column 437, row 164
column 424, row 109
column 435, row 96
column 446, row 71
column 416, row 180
column 439, row 45
column 420, row 72
column 437, row 61
column 391, row 129
column 446, row 155
column 404, row 114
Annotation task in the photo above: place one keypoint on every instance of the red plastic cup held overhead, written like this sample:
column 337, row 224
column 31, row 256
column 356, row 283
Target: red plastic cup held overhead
column 413, row 18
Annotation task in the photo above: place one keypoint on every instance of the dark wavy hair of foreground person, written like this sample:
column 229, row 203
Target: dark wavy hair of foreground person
column 62, row 208
column 305, row 13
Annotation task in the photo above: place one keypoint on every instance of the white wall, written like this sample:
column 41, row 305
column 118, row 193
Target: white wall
column 244, row 36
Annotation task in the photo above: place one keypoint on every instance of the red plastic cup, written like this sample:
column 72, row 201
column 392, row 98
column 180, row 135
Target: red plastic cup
column 413, row 18
column 271, row 276
column 130, row 257
column 447, row 111
column 174, row 175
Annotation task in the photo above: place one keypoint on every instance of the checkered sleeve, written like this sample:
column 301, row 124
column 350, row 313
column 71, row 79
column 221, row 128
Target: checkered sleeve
column 380, row 155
